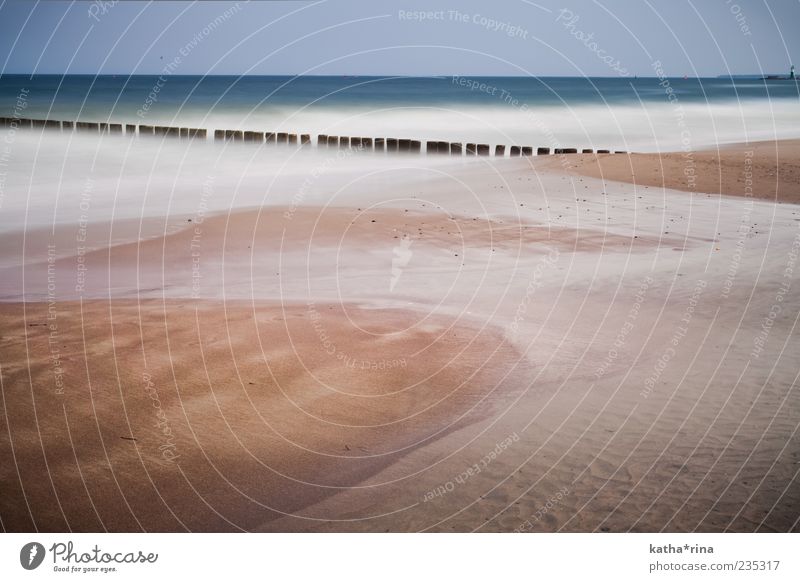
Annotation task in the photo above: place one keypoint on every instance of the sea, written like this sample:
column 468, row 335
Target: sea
column 49, row 178
column 634, row 114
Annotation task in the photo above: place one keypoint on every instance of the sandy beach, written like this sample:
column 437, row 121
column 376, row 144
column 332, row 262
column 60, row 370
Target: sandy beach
column 766, row 170
column 590, row 343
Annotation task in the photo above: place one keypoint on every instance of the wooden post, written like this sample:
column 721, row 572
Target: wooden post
column 431, row 147
column 219, row 134
column 514, row 151
column 456, row 148
column 283, row 137
column 416, row 146
column 380, row 144
column 183, row 132
column 68, row 126
column 472, row 149
column 499, row 151
column 542, row 151
column 586, row 151
column 366, row 144
column 527, row 151
column 483, row 149
column 333, row 141
column 305, row 139
column 253, row 136
column 292, row 139
column 355, row 143
column 620, row 152
column 344, row 143
column 146, row 130
column 270, row 137
column 391, row 144
column 404, row 145
column 322, row 140
column 603, row 152
column 130, row 129
column 52, row 124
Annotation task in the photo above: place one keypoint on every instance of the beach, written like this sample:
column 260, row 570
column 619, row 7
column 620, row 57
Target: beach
column 765, row 170
column 563, row 343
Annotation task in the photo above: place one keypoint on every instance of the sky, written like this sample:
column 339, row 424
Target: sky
column 402, row 37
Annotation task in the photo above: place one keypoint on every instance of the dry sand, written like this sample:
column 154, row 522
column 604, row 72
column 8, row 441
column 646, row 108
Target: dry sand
column 500, row 346
column 768, row 170
column 193, row 416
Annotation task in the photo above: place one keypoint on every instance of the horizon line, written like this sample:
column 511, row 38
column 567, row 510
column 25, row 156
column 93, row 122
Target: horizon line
column 385, row 75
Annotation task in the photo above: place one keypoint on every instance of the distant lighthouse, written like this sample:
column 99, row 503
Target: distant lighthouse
column 791, row 72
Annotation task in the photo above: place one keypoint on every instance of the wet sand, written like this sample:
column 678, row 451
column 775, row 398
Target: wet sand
column 501, row 346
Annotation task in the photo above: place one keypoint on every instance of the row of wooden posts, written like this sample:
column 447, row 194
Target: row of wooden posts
column 378, row 144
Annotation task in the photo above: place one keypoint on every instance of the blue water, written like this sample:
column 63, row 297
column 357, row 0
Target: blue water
column 606, row 112
column 110, row 92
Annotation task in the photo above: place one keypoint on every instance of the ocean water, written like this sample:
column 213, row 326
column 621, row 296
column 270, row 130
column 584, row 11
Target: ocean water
column 49, row 178
column 645, row 114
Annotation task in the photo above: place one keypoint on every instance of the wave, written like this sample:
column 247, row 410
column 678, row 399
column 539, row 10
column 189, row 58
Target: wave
column 647, row 127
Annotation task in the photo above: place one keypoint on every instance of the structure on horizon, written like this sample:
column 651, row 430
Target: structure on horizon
column 791, row 76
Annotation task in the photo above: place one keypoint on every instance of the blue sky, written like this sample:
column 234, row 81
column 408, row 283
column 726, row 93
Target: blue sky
column 506, row 37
